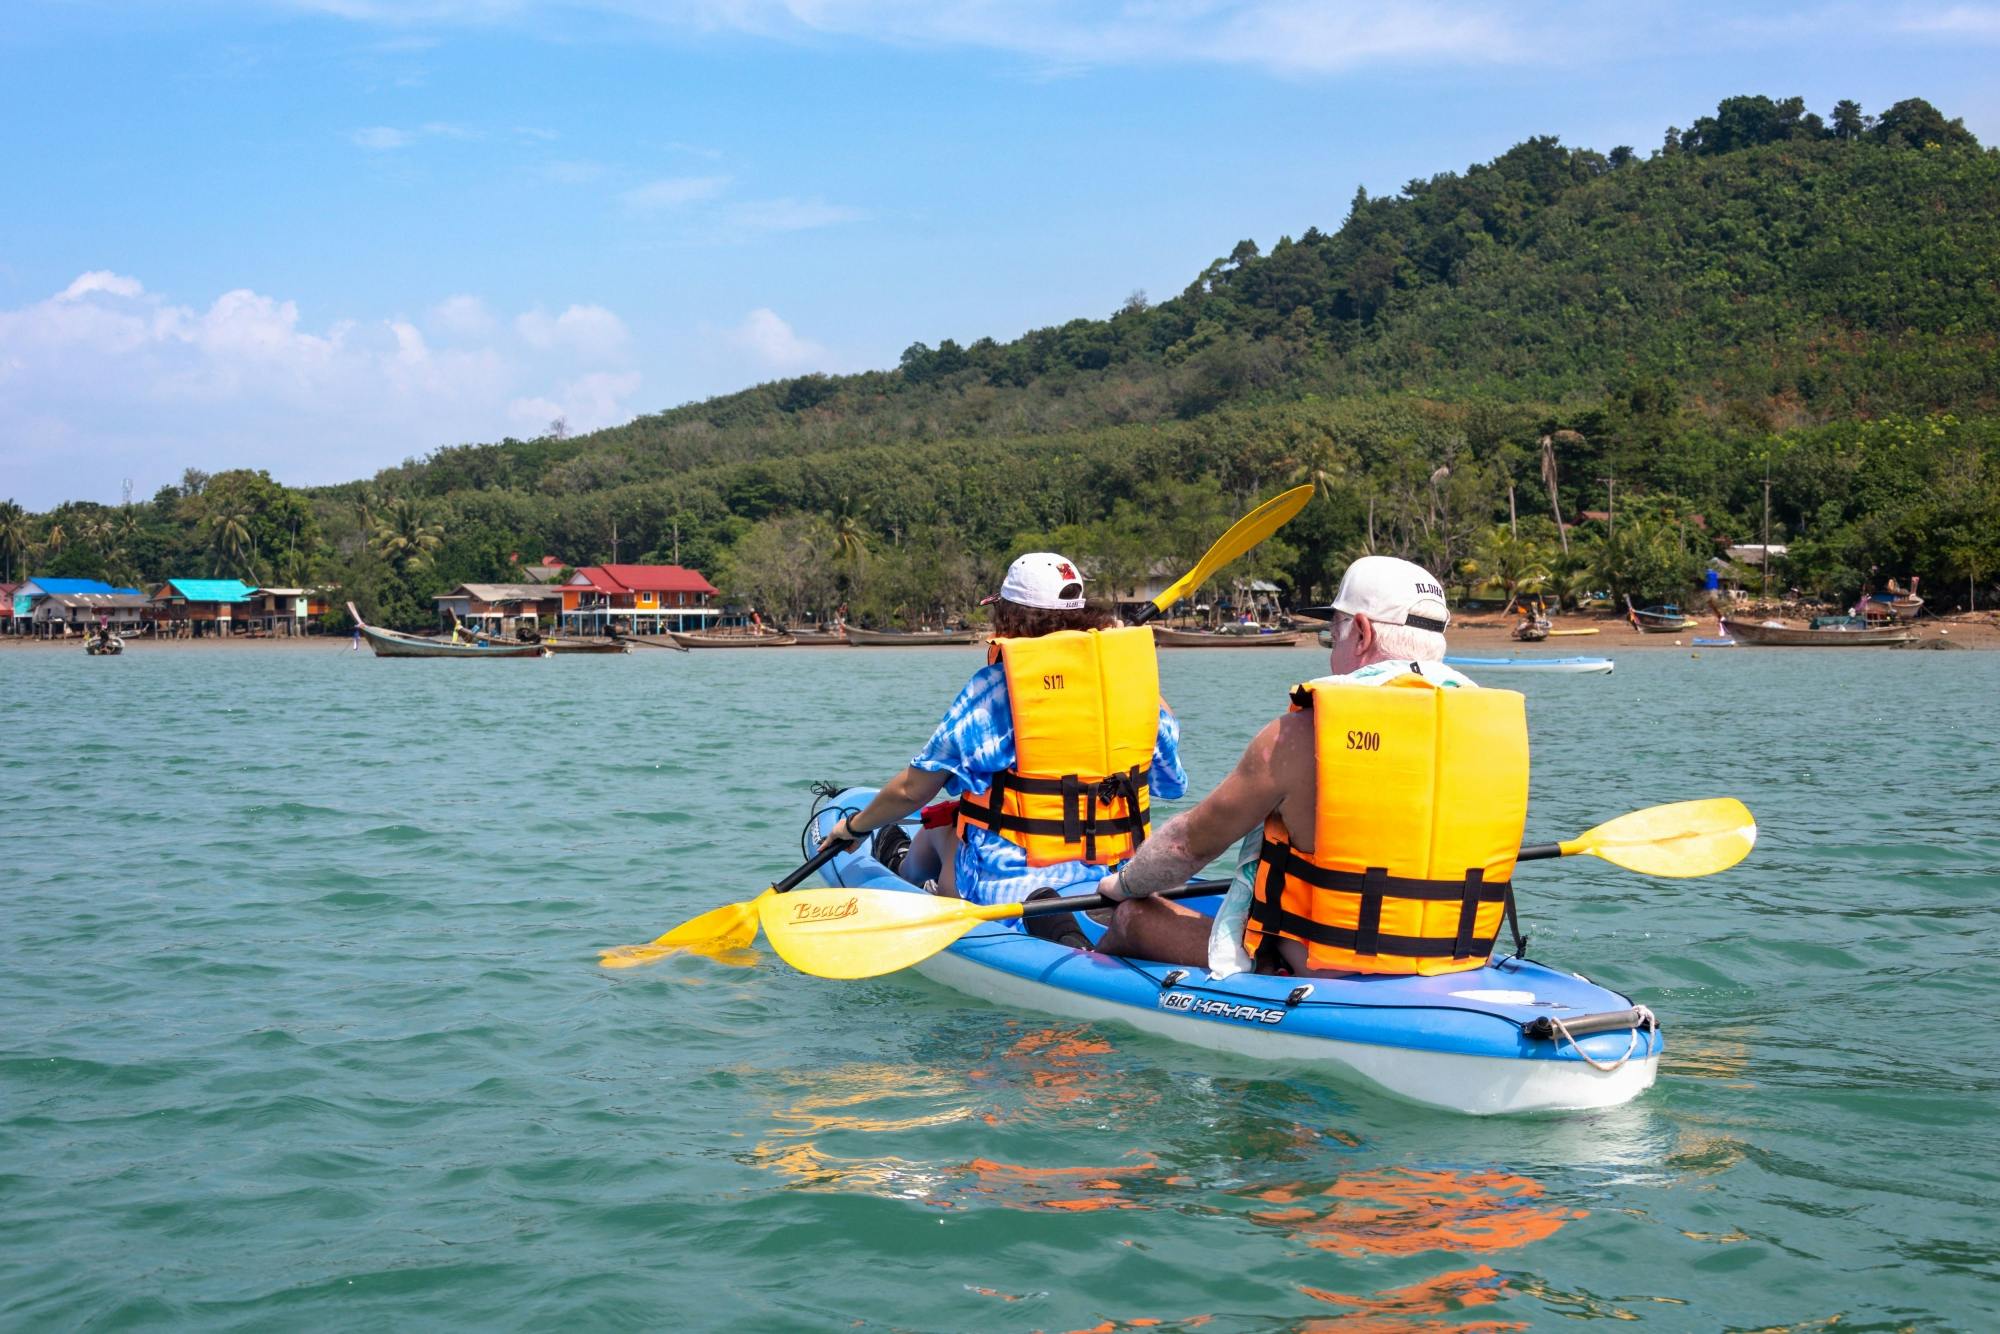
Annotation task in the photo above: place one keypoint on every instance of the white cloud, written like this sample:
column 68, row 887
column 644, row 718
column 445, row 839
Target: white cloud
column 101, row 280
column 1975, row 21
column 104, row 380
column 462, row 315
column 587, row 403
column 1285, row 36
column 790, row 215
column 591, row 330
column 774, row 346
column 674, row 192
column 380, row 138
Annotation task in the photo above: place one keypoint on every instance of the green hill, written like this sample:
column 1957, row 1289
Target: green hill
column 1766, row 293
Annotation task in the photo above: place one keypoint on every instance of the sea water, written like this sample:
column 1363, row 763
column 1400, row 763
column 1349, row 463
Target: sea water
column 301, row 1024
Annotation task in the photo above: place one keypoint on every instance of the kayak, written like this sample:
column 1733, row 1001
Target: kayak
column 1513, row 1036
column 1531, row 664
column 1712, row 641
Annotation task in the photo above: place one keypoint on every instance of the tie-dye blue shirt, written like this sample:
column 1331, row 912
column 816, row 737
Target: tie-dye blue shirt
column 976, row 741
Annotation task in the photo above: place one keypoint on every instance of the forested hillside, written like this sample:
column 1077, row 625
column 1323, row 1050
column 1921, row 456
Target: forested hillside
column 1767, row 294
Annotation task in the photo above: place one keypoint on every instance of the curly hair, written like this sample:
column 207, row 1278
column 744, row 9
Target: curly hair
column 1012, row 620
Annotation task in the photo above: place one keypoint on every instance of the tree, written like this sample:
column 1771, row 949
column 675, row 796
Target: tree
column 1518, row 564
column 1848, row 122
column 227, row 533
column 1915, row 123
column 405, row 536
column 15, row 536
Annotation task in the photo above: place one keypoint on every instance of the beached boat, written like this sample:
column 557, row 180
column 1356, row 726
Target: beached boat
column 654, row 641
column 396, row 644
column 1229, row 637
column 730, row 639
column 906, row 638
column 1513, row 1036
column 1586, row 666
column 1661, row 620
column 833, row 638
column 1847, row 634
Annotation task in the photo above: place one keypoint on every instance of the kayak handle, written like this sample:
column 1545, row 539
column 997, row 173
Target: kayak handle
column 1193, row 889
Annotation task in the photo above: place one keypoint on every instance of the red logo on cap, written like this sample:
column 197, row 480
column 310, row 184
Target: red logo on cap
column 1064, row 569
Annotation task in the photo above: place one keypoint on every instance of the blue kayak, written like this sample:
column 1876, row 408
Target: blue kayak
column 1513, row 1036
column 1530, row 664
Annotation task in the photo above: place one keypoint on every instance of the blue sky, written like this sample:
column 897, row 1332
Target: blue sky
column 320, row 236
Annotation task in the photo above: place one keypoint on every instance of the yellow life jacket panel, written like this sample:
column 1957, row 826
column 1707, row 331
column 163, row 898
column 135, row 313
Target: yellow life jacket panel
column 1422, row 799
column 1086, row 709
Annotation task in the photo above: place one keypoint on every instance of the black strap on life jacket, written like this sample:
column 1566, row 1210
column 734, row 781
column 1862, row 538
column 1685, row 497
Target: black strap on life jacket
column 1081, row 820
column 1372, row 886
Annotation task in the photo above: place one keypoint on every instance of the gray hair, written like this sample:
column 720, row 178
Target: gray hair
column 1406, row 642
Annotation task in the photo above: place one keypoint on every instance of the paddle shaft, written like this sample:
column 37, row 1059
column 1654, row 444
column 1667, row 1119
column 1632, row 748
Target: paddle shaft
column 813, row 863
column 1194, row 889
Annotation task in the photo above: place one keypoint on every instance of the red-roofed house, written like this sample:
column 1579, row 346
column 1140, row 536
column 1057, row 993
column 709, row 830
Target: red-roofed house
column 638, row 598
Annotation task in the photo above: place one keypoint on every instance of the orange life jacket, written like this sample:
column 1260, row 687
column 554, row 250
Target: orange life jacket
column 1086, row 710
column 1422, row 798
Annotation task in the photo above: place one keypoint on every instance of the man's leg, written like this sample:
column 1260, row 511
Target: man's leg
column 1160, row 930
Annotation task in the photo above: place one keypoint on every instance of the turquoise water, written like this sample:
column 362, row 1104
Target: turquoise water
column 300, row 1024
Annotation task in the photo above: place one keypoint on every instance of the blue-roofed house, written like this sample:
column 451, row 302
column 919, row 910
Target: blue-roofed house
column 49, row 606
column 193, row 608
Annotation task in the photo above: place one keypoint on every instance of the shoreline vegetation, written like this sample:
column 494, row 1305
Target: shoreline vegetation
column 1481, row 633
column 1561, row 371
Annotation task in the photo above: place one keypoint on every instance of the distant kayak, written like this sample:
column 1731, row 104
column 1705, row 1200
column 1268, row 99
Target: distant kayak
column 1513, row 1036
column 1570, row 665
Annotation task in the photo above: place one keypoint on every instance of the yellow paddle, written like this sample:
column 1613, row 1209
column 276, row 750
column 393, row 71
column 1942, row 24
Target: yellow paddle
column 1244, row 534
column 733, row 926
column 1681, row 839
column 850, row 933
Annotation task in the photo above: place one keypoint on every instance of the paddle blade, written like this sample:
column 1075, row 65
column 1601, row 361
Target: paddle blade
column 848, row 933
column 730, row 929
column 1244, row 534
column 1685, row 838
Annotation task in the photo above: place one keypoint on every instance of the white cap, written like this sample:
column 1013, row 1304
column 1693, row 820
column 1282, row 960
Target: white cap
column 1042, row 579
column 1389, row 591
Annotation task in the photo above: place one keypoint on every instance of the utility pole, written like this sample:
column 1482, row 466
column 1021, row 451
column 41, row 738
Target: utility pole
column 614, row 541
column 677, row 541
column 1767, row 530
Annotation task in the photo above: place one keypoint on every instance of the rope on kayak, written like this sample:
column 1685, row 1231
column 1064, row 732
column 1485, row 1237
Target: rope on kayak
column 1646, row 1023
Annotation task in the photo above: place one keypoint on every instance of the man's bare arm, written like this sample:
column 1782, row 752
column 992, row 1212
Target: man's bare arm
column 1192, row 839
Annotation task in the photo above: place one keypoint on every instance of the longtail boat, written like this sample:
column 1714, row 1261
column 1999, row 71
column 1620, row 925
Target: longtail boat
column 907, row 638
column 665, row 641
column 819, row 638
column 1225, row 639
column 1774, row 635
column 1662, row 620
column 724, row 639
column 396, row 644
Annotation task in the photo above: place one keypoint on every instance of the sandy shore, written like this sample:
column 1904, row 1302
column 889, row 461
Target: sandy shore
column 1476, row 635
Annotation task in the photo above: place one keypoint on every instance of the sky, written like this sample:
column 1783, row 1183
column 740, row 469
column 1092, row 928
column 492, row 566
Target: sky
column 319, row 237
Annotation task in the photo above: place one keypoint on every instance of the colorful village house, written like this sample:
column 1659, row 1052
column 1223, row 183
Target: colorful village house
column 643, row 599
column 500, row 609
column 50, row 607
column 276, row 611
column 194, row 608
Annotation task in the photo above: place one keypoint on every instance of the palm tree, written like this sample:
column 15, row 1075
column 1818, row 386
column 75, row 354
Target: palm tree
column 1549, row 476
column 230, row 541
column 13, row 534
column 1515, row 563
column 405, row 537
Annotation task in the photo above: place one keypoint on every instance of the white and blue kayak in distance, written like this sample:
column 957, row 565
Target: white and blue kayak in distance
column 1585, row 665
column 1512, row 1036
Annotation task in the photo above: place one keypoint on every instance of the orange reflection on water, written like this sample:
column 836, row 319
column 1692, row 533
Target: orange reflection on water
column 1386, row 1312
column 1402, row 1211
column 1070, row 1189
